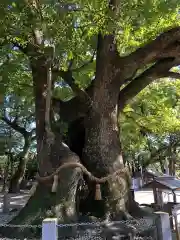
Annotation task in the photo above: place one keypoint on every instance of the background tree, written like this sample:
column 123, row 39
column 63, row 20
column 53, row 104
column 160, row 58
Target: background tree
column 149, row 123
column 20, row 118
column 7, row 145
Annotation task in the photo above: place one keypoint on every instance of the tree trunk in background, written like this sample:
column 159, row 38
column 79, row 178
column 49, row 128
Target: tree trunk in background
column 162, row 165
column 6, row 173
column 166, row 166
column 18, row 176
column 172, row 166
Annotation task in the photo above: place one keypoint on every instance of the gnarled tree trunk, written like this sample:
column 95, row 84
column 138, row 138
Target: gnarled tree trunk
column 102, row 152
column 17, row 178
column 44, row 203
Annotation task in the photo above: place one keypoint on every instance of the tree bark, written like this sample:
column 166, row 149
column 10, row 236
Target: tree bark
column 102, row 152
column 44, row 203
column 17, row 178
column 172, row 166
column 162, row 165
column 6, row 173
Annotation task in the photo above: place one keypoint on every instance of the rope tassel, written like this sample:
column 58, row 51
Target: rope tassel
column 98, row 195
column 55, row 184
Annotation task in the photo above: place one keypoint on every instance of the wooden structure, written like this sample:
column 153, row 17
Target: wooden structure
column 149, row 175
column 164, row 183
column 143, row 177
column 170, row 184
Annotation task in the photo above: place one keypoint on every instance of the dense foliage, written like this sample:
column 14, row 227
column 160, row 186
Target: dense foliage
column 149, row 121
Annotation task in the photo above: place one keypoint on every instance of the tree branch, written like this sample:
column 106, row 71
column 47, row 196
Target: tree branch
column 74, row 108
column 171, row 51
column 158, row 70
column 33, row 138
column 15, row 126
column 151, row 51
column 174, row 75
column 68, row 78
column 160, row 47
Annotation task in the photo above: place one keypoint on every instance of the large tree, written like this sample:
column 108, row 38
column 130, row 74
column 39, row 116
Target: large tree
column 107, row 52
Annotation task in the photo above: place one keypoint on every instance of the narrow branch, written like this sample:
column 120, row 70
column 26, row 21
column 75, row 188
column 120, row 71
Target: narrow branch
column 74, row 108
column 70, row 64
column 154, row 156
column 166, row 45
column 174, row 75
column 48, row 102
column 33, row 138
column 27, row 143
column 15, row 126
column 68, row 78
column 33, row 130
column 34, row 11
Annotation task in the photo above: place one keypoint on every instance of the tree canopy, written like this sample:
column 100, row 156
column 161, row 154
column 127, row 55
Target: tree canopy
column 73, row 28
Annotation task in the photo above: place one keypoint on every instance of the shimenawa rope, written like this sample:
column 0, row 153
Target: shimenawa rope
column 124, row 171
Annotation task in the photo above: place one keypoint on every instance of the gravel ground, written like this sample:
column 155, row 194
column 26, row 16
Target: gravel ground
column 5, row 218
column 19, row 200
